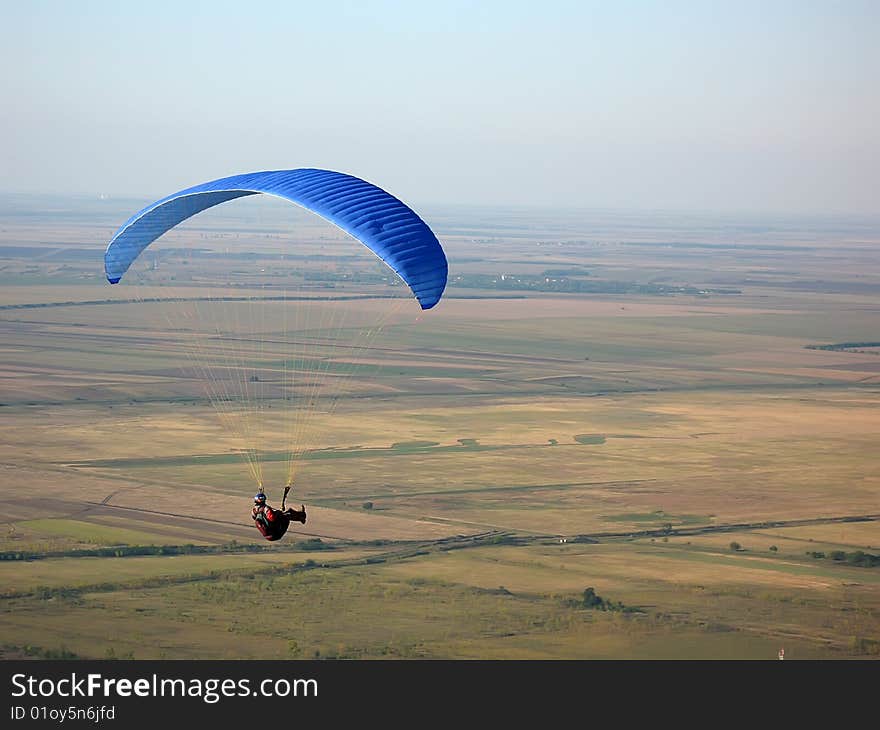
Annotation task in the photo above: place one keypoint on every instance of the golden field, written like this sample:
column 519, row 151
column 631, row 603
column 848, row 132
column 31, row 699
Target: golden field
column 470, row 470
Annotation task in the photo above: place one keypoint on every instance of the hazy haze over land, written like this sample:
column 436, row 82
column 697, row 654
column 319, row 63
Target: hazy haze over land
column 746, row 106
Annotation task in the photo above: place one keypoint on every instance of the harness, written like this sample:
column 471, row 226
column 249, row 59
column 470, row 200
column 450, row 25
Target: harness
column 267, row 523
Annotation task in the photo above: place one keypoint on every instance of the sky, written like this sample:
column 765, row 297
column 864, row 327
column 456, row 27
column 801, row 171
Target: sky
column 726, row 106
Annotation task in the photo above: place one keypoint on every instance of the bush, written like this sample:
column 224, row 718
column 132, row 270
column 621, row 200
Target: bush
column 591, row 600
column 863, row 559
column 735, row 546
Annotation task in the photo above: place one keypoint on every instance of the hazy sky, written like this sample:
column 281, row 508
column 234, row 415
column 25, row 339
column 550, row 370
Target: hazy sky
column 733, row 105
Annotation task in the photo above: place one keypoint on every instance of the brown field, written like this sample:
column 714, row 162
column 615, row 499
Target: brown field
column 643, row 422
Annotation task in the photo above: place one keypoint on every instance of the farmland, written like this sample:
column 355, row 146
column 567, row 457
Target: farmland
column 675, row 417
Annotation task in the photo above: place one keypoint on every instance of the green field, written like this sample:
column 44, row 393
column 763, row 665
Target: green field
column 469, row 471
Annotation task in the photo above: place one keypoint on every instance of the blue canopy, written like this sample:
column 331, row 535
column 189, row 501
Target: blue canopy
column 377, row 219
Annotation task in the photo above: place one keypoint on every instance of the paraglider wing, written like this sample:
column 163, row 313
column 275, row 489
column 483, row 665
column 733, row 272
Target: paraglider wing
column 377, row 219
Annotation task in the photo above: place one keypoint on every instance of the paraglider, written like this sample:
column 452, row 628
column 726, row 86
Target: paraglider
column 273, row 523
column 377, row 219
column 382, row 223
